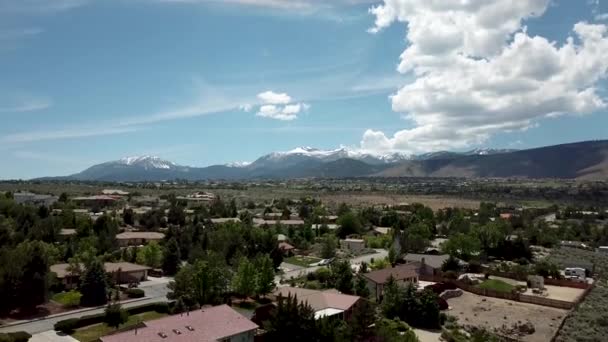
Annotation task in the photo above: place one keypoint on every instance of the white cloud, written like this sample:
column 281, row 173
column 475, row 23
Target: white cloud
column 601, row 16
column 38, row 6
column 278, row 106
column 26, row 104
column 246, row 107
column 476, row 71
column 270, row 97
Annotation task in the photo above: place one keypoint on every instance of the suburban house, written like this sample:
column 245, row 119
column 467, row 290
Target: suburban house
column 257, row 222
column 225, row 219
column 286, row 248
column 403, row 274
column 324, row 303
column 121, row 272
column 100, row 201
column 116, row 192
column 34, row 199
column 429, row 264
column 138, row 238
column 65, row 233
column 355, row 245
column 381, row 230
column 218, row 323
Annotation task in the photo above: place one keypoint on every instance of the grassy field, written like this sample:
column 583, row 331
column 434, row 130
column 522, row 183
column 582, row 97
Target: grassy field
column 300, row 260
column 71, row 298
column 496, row 285
column 94, row 332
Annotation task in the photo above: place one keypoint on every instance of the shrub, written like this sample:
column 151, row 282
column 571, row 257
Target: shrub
column 450, row 275
column 135, row 293
column 19, row 336
column 67, row 326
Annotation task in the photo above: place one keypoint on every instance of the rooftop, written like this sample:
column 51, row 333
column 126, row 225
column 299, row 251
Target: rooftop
column 399, row 272
column 206, row 325
column 320, row 300
column 140, row 235
column 435, row 261
column 62, row 269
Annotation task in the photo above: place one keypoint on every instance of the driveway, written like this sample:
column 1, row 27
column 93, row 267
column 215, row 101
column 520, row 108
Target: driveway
column 52, row 336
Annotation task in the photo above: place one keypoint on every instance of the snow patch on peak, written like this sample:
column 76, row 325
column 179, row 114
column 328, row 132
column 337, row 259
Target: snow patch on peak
column 238, row 164
column 147, row 161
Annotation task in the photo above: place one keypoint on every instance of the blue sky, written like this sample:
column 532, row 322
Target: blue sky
column 82, row 82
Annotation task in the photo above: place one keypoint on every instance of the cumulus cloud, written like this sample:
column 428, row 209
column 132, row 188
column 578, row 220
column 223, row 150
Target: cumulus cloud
column 477, row 71
column 246, row 107
column 274, row 98
column 277, row 106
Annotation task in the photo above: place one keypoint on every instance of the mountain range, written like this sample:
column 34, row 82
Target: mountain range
column 582, row 160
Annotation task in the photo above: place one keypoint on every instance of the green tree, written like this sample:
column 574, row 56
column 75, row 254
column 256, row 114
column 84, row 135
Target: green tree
column 291, row 321
column 363, row 317
column 176, row 215
column 93, row 285
column 171, row 257
column 361, row 288
column 115, row 315
column 128, row 217
column 388, row 330
column 342, row 276
column 244, row 281
column 392, row 255
column 451, row 264
column 463, row 246
column 204, row 282
column 150, row 255
column 328, row 247
column 348, row 224
column 265, row 277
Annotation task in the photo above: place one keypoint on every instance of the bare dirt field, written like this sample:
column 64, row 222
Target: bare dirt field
column 434, row 202
column 569, row 294
column 493, row 313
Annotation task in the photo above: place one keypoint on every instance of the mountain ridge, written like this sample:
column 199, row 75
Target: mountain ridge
column 584, row 160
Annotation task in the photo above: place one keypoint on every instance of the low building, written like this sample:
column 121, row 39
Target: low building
column 382, row 230
column 286, row 248
column 429, row 264
column 114, row 192
column 603, row 249
column 66, row 233
column 257, row 222
column 355, row 245
column 324, row 303
column 221, row 220
column 121, row 272
column 34, row 199
column 329, row 226
column 403, row 274
column 138, row 238
column 218, row 323
column 100, row 201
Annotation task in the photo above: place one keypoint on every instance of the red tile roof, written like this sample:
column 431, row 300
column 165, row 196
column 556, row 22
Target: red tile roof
column 208, row 325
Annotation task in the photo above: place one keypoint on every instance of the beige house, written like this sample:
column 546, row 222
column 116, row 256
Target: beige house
column 403, row 274
column 355, row 245
column 138, row 238
column 121, row 272
column 325, row 303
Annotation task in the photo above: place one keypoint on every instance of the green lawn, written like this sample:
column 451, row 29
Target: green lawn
column 93, row 332
column 71, row 298
column 301, row 260
column 496, row 285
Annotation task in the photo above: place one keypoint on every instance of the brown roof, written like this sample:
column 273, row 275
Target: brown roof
column 319, row 300
column 207, row 325
column 67, row 232
column 225, row 219
column 62, row 269
column 399, row 272
column 140, row 235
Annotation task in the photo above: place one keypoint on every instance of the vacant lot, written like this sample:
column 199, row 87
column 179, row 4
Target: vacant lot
column 569, row 294
column 496, row 285
column 301, row 260
column 493, row 313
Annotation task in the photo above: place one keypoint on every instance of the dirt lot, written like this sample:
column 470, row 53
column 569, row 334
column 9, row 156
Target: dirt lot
column 494, row 312
column 434, row 202
column 569, row 294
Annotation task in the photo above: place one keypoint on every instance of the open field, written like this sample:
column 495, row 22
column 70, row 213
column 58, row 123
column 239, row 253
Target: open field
column 569, row 294
column 301, row 260
column 471, row 309
column 496, row 285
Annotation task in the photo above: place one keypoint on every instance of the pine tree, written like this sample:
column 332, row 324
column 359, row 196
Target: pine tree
column 115, row 315
column 361, row 288
column 171, row 258
column 93, row 286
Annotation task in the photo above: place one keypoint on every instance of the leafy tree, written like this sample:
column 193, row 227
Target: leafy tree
column 328, row 247
column 128, row 217
column 115, row 315
column 361, row 288
column 392, row 255
column 363, row 316
column 388, row 330
column 171, row 258
column 265, row 277
column 244, row 281
column 93, row 285
column 451, row 264
column 277, row 257
column 106, row 228
column 204, row 282
column 176, row 215
column 348, row 224
column 150, row 255
column 342, row 276
column 462, row 245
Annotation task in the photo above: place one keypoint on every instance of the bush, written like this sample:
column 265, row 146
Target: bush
column 135, row 293
column 19, row 336
column 450, row 275
column 67, row 326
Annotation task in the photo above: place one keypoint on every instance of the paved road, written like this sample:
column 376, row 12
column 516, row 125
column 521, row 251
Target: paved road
column 51, row 336
column 155, row 292
column 380, row 254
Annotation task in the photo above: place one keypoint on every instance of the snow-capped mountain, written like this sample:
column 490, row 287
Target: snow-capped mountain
column 488, row 151
column 311, row 154
column 147, row 162
column 238, row 164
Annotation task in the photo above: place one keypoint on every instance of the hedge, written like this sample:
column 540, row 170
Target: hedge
column 69, row 325
column 135, row 293
column 19, row 336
